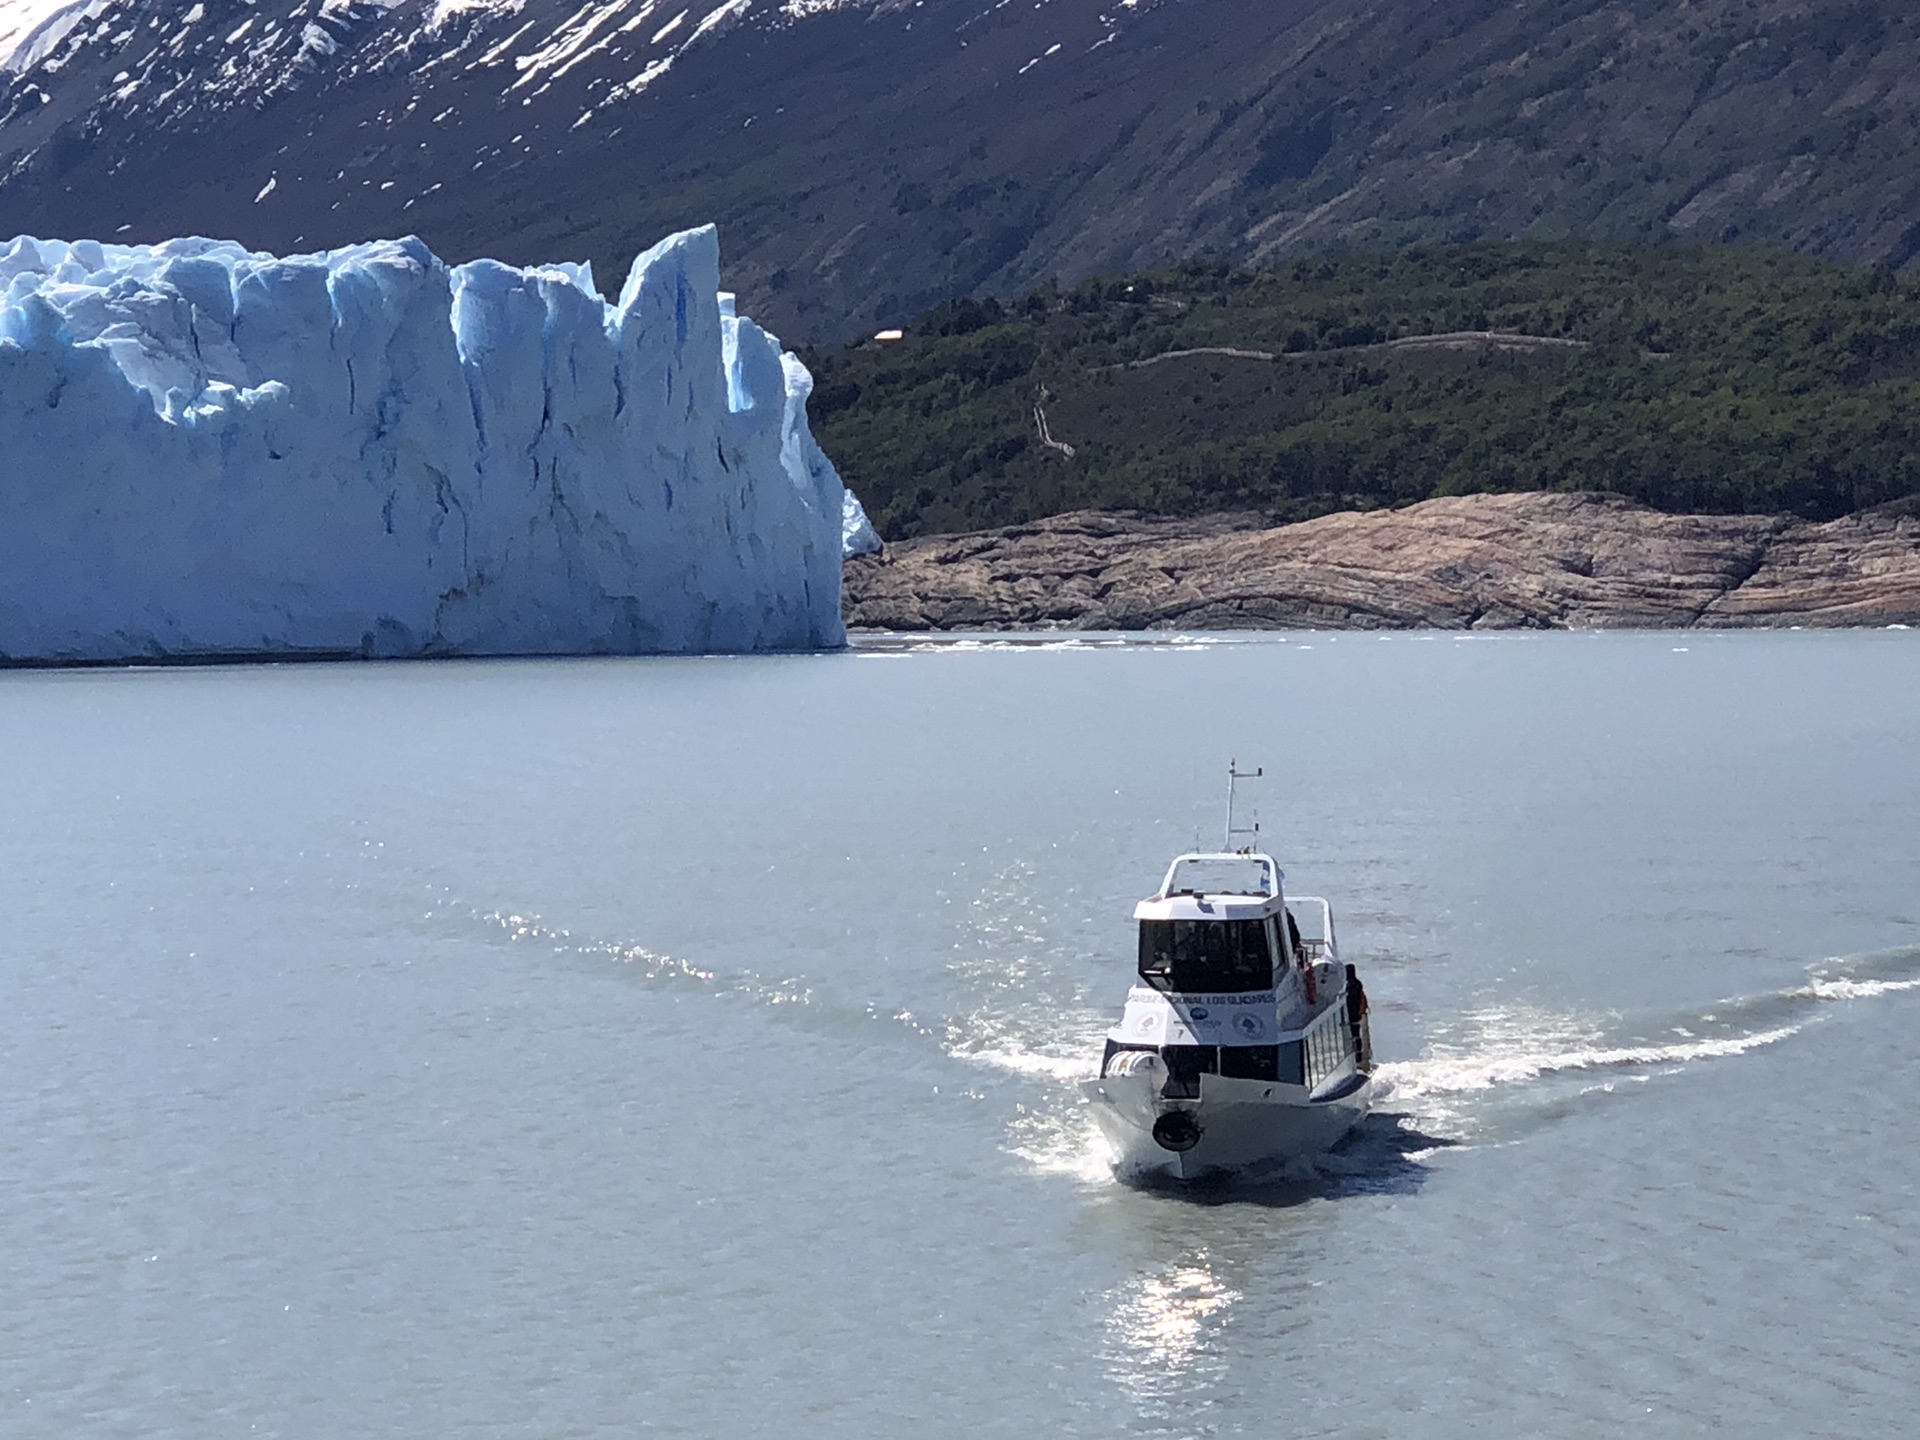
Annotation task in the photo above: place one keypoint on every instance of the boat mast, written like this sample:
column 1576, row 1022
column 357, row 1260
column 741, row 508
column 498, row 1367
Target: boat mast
column 1234, row 772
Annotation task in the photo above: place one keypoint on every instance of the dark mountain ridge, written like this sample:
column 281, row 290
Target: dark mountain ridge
column 867, row 160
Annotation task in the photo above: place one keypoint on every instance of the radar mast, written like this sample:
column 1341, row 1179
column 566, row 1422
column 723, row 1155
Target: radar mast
column 1235, row 773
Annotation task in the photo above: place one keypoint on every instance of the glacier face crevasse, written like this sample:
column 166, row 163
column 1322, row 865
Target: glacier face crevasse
column 209, row 452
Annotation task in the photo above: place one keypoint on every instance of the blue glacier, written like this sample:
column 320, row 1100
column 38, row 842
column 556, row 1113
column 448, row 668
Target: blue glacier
column 209, row 452
column 857, row 535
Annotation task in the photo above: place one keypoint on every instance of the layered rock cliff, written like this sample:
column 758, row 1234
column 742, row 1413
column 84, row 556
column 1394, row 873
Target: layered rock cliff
column 1539, row 561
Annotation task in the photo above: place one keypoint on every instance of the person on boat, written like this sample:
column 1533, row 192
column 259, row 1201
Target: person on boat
column 1357, row 1014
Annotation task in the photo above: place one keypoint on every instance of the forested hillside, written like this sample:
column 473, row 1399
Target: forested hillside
column 1691, row 378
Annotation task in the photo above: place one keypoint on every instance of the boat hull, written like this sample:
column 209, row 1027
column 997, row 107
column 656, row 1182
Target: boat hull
column 1237, row 1128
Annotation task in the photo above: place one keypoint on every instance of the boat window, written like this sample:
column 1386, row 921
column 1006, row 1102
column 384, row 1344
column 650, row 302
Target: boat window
column 1292, row 1065
column 1250, row 1062
column 1283, row 1063
column 1205, row 955
column 1185, row 1065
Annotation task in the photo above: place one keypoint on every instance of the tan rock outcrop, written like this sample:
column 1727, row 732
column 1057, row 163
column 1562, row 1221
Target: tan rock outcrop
column 1469, row 562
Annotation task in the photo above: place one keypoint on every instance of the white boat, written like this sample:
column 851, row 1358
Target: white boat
column 1245, row 1044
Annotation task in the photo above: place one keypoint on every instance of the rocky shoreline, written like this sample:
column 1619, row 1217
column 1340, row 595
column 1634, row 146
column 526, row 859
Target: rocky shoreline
column 1479, row 562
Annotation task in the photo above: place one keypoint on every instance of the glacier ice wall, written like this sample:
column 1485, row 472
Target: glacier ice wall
column 208, row 452
column 857, row 535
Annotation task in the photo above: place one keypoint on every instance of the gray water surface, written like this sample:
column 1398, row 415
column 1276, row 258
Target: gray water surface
column 687, row 1047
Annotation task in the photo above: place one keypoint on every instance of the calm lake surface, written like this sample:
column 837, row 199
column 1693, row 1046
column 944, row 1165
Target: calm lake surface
column 687, row 1047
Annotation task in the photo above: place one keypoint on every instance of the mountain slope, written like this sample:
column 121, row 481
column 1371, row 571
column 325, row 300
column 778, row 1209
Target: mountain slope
column 867, row 158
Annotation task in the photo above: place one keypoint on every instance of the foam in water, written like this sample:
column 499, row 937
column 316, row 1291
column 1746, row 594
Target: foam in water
column 1513, row 1048
column 1864, row 977
column 1047, row 1044
column 648, row 964
column 1857, row 989
column 1048, row 1130
column 1519, row 1052
column 1066, row 1069
column 1051, row 1131
column 1521, row 1062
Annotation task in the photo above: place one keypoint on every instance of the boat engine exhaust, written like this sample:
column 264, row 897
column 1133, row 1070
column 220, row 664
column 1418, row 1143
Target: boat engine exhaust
column 1177, row 1131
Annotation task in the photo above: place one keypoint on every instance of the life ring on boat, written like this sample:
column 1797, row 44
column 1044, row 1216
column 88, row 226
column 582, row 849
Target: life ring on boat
column 1177, row 1131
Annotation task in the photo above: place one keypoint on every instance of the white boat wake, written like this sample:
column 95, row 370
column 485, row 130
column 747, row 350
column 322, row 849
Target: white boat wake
column 1449, row 1073
column 1499, row 1056
column 1478, row 1065
column 1524, row 1049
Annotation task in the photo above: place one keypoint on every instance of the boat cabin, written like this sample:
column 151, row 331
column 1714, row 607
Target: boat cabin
column 1218, row 925
column 1241, row 991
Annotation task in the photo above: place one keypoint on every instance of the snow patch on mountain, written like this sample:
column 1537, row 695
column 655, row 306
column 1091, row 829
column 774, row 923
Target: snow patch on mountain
column 31, row 29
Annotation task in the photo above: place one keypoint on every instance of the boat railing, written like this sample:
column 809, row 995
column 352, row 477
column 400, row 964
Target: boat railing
column 1326, row 1046
column 1239, row 873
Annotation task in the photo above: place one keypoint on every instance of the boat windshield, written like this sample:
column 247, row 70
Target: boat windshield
column 1205, row 955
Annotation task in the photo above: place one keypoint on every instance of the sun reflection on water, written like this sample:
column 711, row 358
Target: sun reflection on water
column 1158, row 1324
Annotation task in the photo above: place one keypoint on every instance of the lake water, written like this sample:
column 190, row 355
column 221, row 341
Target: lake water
column 687, row 1047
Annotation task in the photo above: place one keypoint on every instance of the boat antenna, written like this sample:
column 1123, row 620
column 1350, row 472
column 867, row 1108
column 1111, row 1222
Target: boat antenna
column 1234, row 772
